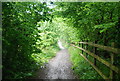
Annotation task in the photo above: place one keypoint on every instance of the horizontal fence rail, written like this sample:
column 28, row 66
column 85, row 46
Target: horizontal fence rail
column 107, row 48
column 100, row 59
column 92, row 64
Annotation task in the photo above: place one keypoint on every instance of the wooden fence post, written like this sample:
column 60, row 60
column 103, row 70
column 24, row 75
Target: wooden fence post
column 82, row 47
column 79, row 44
column 87, row 49
column 112, row 60
column 95, row 52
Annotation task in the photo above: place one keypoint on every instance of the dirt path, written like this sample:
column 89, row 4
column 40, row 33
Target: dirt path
column 58, row 68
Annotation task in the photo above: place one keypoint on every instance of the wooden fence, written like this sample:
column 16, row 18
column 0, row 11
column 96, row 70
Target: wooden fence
column 113, row 51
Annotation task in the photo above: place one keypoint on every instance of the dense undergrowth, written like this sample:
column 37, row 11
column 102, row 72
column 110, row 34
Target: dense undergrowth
column 83, row 70
column 81, row 67
column 26, row 43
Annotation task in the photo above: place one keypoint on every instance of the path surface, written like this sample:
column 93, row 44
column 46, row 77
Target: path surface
column 58, row 68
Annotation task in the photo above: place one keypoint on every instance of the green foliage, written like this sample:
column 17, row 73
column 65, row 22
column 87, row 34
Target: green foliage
column 92, row 22
column 86, row 17
column 23, row 47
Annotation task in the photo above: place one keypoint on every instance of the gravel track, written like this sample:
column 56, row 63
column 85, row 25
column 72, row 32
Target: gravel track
column 57, row 68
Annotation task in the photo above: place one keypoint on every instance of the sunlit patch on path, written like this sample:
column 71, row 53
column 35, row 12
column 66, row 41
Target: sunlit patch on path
column 60, row 45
